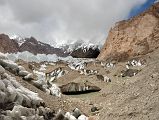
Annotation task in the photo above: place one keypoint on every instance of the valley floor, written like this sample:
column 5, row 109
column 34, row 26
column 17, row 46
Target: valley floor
column 124, row 98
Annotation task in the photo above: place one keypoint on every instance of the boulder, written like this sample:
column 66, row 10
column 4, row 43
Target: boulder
column 60, row 116
column 79, row 88
column 2, row 70
column 103, row 78
column 23, row 73
column 69, row 116
column 94, row 109
column 76, row 113
column 82, row 117
column 129, row 72
column 21, row 68
column 29, row 77
column 84, row 53
column 10, row 65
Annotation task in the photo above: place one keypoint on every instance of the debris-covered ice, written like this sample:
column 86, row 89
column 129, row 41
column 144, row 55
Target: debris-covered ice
column 19, row 102
column 46, row 86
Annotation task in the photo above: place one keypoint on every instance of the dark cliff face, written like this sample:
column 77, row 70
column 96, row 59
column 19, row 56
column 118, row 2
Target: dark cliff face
column 83, row 53
column 134, row 37
column 7, row 45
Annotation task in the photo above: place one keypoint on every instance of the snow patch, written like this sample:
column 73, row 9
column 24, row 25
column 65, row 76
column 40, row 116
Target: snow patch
column 42, row 67
column 20, row 40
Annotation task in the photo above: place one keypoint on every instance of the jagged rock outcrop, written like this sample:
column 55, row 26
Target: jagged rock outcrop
column 133, row 37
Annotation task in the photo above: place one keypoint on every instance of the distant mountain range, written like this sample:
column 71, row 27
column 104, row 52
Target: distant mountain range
column 14, row 44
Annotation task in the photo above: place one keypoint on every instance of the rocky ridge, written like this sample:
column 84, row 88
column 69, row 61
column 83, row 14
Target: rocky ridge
column 14, row 44
column 134, row 37
column 28, row 44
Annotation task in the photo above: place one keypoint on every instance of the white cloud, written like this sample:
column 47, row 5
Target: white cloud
column 63, row 21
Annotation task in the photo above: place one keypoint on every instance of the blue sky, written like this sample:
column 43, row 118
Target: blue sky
column 138, row 9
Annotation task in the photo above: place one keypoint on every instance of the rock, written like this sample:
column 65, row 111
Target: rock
column 103, row 78
column 84, row 53
column 55, row 90
column 76, row 112
column 8, row 45
column 23, row 73
column 29, row 77
column 46, row 112
column 49, row 88
column 11, row 93
column 55, row 74
column 69, row 116
column 129, row 72
column 82, row 117
column 78, row 88
column 133, row 37
column 155, row 75
column 38, row 85
column 94, row 109
column 2, row 86
column 10, row 66
column 88, row 72
column 60, row 116
column 2, row 117
column 21, row 68
column 77, row 66
column 2, row 70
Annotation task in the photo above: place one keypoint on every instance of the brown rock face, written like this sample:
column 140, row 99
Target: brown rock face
column 134, row 37
column 7, row 45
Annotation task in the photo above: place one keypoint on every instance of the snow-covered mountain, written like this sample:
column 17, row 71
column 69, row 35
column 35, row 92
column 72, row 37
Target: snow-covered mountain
column 82, row 50
column 15, row 43
column 79, row 45
column 32, row 45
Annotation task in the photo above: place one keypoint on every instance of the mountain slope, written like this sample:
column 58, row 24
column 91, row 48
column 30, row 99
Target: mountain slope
column 137, row 36
column 14, row 44
column 8, row 45
column 17, row 44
